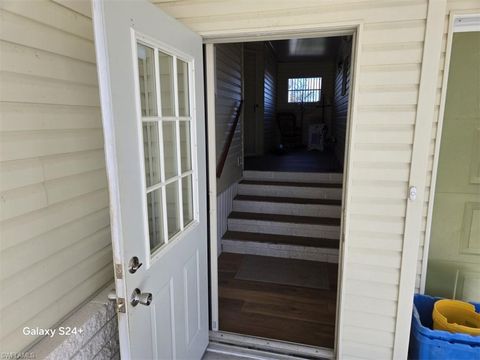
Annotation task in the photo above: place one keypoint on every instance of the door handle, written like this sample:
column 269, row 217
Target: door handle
column 140, row 298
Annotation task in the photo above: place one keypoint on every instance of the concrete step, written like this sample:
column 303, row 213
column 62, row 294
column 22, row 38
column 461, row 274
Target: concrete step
column 307, row 226
column 290, row 189
column 335, row 178
column 287, row 206
column 316, row 249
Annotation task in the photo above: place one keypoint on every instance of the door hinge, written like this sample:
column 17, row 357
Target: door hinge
column 118, row 271
column 121, row 308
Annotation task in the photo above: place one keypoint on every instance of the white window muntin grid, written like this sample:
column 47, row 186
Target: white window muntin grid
column 156, row 46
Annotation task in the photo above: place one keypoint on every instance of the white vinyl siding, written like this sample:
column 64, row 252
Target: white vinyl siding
column 388, row 82
column 55, row 236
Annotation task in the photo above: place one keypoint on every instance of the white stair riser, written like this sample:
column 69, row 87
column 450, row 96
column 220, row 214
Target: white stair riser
column 280, row 250
column 333, row 178
column 290, row 191
column 281, row 228
column 265, row 207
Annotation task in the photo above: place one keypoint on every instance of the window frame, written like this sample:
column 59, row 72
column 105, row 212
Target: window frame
column 141, row 39
column 291, row 91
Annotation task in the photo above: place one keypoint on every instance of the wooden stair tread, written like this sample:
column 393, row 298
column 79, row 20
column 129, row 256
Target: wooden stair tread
column 288, row 200
column 310, row 220
column 289, row 183
column 281, row 239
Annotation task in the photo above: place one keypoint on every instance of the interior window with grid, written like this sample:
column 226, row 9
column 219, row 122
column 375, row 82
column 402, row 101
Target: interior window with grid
column 304, row 90
column 166, row 120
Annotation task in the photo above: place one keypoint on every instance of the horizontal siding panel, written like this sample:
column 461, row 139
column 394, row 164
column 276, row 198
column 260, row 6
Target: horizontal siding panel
column 392, row 75
column 72, row 186
column 81, row 7
column 369, row 305
column 389, row 97
column 369, row 336
column 21, row 117
column 20, row 201
column 381, row 189
column 364, row 268
column 382, row 174
column 382, row 154
column 46, row 296
column 302, row 13
column 369, row 288
column 20, row 257
column 379, row 207
column 63, row 165
column 385, row 224
column 52, row 14
column 375, row 240
column 371, row 321
column 42, row 90
column 28, row 61
column 392, row 135
column 371, row 115
column 60, row 307
column 21, row 173
column 38, row 274
column 191, row 8
column 358, row 350
column 391, row 32
column 380, row 258
column 23, row 31
column 22, row 145
column 24, row 200
column 18, row 230
column 17, row 174
column 392, row 54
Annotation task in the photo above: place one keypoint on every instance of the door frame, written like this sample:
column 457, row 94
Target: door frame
column 354, row 29
column 453, row 27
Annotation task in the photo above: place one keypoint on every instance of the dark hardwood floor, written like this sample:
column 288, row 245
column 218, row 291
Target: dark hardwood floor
column 295, row 160
column 282, row 312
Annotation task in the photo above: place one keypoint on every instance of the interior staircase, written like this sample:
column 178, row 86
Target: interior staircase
column 286, row 214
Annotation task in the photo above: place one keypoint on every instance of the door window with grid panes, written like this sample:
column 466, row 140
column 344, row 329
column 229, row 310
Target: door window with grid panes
column 164, row 88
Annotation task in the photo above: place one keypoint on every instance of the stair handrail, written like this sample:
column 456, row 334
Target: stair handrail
column 228, row 143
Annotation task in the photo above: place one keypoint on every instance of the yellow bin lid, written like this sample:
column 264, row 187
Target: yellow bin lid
column 456, row 316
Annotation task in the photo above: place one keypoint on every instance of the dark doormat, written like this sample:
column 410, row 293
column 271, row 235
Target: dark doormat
column 293, row 272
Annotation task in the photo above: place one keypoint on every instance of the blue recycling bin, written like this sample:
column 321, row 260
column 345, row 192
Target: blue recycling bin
column 426, row 343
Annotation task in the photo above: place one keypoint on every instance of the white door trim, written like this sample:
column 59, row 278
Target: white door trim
column 453, row 27
column 281, row 33
column 419, row 161
column 111, row 169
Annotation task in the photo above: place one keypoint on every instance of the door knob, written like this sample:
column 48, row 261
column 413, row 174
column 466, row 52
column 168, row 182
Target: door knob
column 140, row 298
column 133, row 265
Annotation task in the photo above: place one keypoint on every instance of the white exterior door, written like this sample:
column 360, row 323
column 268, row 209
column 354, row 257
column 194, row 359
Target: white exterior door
column 151, row 86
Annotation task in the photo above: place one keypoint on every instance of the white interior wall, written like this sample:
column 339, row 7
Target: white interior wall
column 228, row 93
column 224, row 208
column 340, row 98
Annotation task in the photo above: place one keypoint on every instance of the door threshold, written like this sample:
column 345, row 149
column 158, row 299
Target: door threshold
column 266, row 347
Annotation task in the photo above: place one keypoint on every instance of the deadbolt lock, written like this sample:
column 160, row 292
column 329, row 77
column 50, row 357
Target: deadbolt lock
column 140, row 298
column 133, row 265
